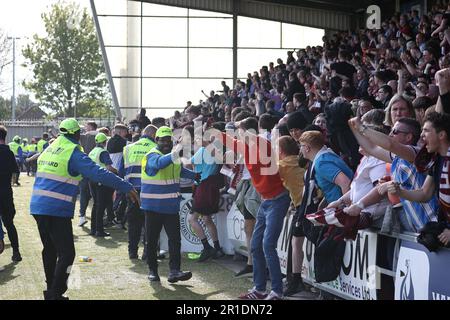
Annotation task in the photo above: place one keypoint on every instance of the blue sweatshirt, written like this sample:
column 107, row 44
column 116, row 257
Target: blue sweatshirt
column 20, row 155
column 80, row 163
column 156, row 162
column 105, row 158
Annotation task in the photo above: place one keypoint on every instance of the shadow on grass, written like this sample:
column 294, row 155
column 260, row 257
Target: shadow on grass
column 182, row 292
column 7, row 274
column 139, row 266
column 119, row 235
column 106, row 243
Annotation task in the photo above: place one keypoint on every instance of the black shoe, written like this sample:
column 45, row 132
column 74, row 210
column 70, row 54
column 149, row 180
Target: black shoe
column 102, row 234
column 153, row 276
column 92, row 233
column 133, row 256
column 179, row 276
column 16, row 257
column 293, row 287
column 246, row 272
column 48, row 295
column 219, row 254
column 206, row 254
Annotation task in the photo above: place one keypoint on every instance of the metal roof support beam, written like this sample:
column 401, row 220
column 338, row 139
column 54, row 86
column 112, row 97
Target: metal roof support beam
column 306, row 16
column 235, row 43
column 105, row 61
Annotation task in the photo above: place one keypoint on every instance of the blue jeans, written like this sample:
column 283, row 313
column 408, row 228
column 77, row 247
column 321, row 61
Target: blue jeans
column 269, row 223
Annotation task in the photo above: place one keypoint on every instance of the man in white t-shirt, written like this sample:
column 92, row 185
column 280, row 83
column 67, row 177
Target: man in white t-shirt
column 362, row 198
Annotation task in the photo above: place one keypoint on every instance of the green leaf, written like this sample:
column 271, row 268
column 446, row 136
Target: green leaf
column 67, row 64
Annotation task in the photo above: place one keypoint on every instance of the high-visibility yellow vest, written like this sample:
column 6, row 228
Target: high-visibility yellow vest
column 54, row 187
column 14, row 147
column 95, row 156
column 161, row 192
column 40, row 145
column 132, row 158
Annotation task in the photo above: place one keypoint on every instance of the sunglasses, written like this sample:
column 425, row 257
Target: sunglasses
column 396, row 132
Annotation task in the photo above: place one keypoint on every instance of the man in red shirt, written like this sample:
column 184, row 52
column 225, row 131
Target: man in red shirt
column 261, row 163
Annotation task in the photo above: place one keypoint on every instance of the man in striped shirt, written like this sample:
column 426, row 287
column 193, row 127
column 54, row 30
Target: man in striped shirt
column 436, row 135
column 399, row 148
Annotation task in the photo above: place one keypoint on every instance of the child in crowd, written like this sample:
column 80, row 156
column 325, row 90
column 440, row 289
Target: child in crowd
column 292, row 176
column 290, row 172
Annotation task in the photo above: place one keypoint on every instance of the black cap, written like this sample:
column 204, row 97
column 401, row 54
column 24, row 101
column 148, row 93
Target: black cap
column 296, row 121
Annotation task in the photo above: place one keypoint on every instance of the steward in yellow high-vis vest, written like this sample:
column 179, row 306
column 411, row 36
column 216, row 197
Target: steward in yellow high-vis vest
column 43, row 143
column 60, row 169
column 101, row 194
column 16, row 148
column 160, row 196
column 132, row 161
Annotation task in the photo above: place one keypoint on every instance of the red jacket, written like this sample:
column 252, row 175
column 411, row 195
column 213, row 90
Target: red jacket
column 257, row 157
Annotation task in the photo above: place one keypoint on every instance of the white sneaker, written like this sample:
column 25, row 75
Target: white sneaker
column 273, row 296
column 82, row 222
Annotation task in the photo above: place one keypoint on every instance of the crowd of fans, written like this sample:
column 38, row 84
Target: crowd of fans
column 374, row 96
column 379, row 99
column 362, row 130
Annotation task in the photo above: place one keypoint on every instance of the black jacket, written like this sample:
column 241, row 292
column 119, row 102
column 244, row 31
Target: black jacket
column 337, row 115
column 116, row 144
column 7, row 168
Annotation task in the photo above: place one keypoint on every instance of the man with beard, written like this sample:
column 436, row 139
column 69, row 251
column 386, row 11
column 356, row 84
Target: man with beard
column 160, row 195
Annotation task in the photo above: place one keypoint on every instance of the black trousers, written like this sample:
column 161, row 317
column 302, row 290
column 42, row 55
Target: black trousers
column 85, row 196
column 153, row 225
column 27, row 167
column 32, row 165
column 102, row 196
column 7, row 212
column 109, row 208
column 120, row 206
column 58, row 253
column 136, row 222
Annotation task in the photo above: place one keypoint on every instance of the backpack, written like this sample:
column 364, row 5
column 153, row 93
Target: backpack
column 328, row 254
column 309, row 205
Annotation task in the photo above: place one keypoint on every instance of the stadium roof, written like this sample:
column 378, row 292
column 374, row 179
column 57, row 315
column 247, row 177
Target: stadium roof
column 348, row 6
column 324, row 14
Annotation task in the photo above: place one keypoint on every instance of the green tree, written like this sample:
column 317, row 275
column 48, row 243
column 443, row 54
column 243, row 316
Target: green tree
column 5, row 109
column 5, row 50
column 67, row 63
